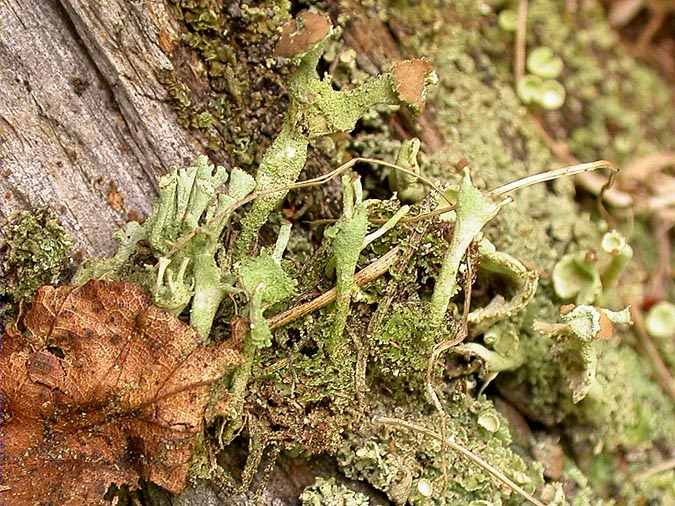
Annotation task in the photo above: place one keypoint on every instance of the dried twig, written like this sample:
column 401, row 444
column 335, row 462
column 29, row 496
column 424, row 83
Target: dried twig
column 593, row 183
column 551, row 175
column 661, row 467
column 521, row 41
column 465, row 452
column 649, row 349
column 659, row 278
column 363, row 277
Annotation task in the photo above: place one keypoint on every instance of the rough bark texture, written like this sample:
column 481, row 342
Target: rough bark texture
column 84, row 123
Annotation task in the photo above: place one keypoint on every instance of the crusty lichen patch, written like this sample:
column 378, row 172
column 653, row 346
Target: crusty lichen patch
column 413, row 469
column 326, row 492
column 35, row 251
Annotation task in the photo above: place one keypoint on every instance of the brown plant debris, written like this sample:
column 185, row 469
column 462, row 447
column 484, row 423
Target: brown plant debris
column 103, row 388
column 410, row 77
column 301, row 34
column 114, row 198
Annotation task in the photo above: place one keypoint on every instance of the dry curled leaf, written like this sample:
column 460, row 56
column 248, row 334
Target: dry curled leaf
column 103, row 388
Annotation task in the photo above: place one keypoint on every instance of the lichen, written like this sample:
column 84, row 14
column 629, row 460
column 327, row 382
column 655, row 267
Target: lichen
column 349, row 239
column 35, row 250
column 326, row 492
column 575, row 341
column 473, row 212
column 223, row 84
column 585, row 276
column 660, row 323
column 266, row 283
column 409, row 188
column 404, row 464
column 316, row 110
column 474, row 65
column 184, row 232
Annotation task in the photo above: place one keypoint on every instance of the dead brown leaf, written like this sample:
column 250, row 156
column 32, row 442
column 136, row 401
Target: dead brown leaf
column 102, row 388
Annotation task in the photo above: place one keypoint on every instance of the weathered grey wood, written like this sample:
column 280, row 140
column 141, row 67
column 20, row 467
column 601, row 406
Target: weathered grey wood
column 83, row 120
column 123, row 39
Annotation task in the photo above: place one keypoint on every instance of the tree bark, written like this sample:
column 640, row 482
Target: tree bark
column 85, row 127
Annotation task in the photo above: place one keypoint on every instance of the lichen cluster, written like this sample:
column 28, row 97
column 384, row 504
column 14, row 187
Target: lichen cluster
column 501, row 327
column 35, row 250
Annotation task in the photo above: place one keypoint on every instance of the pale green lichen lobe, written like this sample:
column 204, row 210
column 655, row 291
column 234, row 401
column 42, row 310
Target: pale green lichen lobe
column 316, row 109
column 327, row 492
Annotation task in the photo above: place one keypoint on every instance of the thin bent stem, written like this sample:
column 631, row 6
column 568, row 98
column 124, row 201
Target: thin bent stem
column 661, row 467
column 521, row 41
column 551, row 175
column 506, row 188
column 525, row 182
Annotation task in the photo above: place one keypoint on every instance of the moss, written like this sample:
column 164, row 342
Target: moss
column 302, row 398
column 224, row 85
column 36, row 251
column 657, row 487
column 404, row 345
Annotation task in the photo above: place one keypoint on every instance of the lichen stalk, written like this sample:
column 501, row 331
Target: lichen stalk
column 315, row 109
column 621, row 253
column 348, row 245
column 474, row 211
